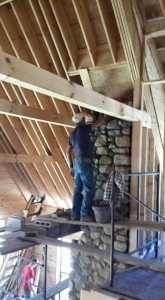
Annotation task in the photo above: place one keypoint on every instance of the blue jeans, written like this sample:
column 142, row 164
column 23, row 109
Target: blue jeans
column 84, row 178
column 27, row 294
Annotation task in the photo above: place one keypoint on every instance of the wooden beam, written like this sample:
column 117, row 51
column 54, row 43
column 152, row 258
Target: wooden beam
column 2, row 2
column 100, row 295
column 104, row 59
column 86, row 28
column 108, row 28
column 25, row 158
column 53, row 290
column 140, row 11
column 55, row 33
column 26, row 112
column 162, row 5
column 85, row 78
column 12, row 70
column 151, row 82
column 125, row 18
column 65, row 30
column 119, row 257
column 155, row 34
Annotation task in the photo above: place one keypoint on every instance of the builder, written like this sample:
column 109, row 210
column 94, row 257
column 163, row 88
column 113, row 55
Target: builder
column 81, row 169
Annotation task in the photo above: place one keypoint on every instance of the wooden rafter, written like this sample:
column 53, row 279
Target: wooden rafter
column 85, row 78
column 108, row 28
column 47, row 38
column 12, row 70
column 54, row 33
column 25, row 158
column 2, row 2
column 65, row 30
column 162, row 5
column 129, row 35
column 86, row 29
column 31, row 113
column 155, row 34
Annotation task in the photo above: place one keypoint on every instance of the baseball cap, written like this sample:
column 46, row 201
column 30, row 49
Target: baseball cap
column 77, row 118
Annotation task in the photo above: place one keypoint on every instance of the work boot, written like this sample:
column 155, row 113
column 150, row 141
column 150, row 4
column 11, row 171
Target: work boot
column 75, row 218
column 86, row 219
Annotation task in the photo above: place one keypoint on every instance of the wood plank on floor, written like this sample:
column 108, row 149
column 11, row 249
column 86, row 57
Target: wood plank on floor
column 141, row 283
column 54, row 290
column 129, row 224
column 152, row 264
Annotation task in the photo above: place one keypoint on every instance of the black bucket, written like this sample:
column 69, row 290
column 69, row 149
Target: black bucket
column 102, row 214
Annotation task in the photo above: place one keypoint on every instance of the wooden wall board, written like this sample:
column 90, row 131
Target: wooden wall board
column 100, row 295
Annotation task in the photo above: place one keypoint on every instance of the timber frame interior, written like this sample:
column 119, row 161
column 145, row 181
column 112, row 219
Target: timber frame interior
column 66, row 56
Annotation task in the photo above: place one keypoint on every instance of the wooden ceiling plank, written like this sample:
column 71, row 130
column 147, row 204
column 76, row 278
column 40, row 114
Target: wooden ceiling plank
column 65, row 30
column 20, row 132
column 162, row 5
column 12, row 70
column 25, row 158
column 132, row 36
column 86, row 29
column 54, row 150
column 18, row 37
column 108, row 28
column 2, row 2
column 63, row 104
column 20, row 177
column 139, row 8
column 57, row 136
column 62, row 190
column 123, row 35
column 55, row 34
column 18, row 47
column 129, row 35
column 104, row 59
column 54, row 191
column 47, row 37
column 35, row 114
column 29, row 34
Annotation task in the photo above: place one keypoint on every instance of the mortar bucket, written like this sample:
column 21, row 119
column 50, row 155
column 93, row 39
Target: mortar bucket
column 102, row 214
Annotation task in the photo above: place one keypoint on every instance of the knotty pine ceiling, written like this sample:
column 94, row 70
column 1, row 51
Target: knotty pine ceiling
column 79, row 40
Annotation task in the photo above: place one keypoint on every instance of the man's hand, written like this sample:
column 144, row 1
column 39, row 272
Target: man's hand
column 72, row 172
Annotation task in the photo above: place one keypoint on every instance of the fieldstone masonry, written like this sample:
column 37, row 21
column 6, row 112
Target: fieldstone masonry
column 112, row 145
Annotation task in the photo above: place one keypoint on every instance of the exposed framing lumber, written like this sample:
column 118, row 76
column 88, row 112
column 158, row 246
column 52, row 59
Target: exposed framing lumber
column 53, row 290
column 108, row 28
column 85, row 78
column 151, row 82
column 140, row 11
column 31, row 113
column 86, row 29
column 129, row 35
column 150, row 52
column 47, row 38
column 12, row 70
column 25, row 158
column 120, row 257
column 162, row 5
column 55, row 33
column 155, row 34
column 101, row 295
column 65, row 30
column 136, row 158
column 2, row 2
